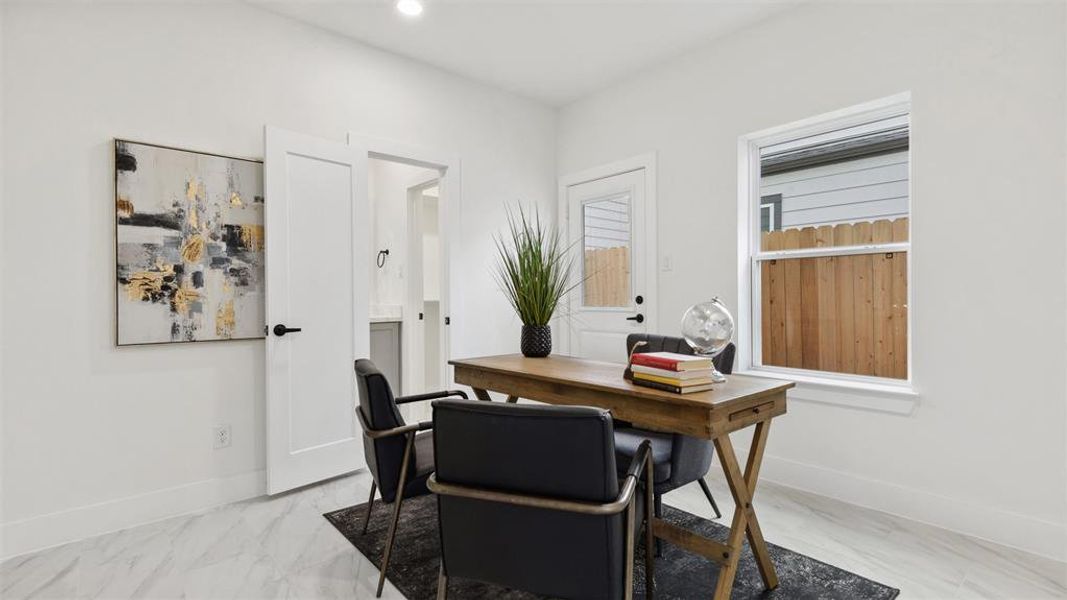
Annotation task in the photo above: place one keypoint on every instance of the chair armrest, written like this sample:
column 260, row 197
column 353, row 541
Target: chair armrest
column 637, row 463
column 575, row 506
column 588, row 508
column 376, row 434
column 430, row 396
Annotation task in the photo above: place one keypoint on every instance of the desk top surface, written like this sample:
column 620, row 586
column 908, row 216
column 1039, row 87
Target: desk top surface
column 607, row 377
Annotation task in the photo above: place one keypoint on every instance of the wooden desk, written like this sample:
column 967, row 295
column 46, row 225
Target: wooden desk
column 740, row 402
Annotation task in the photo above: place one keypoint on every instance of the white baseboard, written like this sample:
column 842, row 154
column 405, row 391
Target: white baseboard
column 1036, row 536
column 53, row 529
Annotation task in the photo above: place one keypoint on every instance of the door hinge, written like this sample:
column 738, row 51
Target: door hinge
column 448, row 320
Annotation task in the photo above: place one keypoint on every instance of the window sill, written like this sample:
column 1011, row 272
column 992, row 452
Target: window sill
column 895, row 399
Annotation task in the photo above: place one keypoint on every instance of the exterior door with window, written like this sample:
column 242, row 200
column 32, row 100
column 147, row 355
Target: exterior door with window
column 607, row 229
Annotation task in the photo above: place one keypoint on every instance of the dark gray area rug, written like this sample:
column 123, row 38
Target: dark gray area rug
column 679, row 574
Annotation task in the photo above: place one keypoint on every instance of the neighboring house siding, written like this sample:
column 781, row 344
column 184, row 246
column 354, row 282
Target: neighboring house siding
column 607, row 223
column 863, row 189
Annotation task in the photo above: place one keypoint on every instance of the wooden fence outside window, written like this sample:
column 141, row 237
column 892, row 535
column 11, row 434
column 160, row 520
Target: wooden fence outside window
column 842, row 314
column 607, row 277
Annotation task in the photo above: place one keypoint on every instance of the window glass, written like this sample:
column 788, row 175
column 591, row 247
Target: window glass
column 826, row 305
column 840, row 314
column 606, row 241
column 861, row 176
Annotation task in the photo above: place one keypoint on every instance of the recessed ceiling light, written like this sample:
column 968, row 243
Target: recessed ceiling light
column 411, row 8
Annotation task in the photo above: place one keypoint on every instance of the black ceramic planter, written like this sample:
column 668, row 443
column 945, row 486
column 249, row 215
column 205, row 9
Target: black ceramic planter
column 536, row 340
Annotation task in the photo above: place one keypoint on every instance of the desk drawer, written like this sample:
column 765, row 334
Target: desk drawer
column 760, row 409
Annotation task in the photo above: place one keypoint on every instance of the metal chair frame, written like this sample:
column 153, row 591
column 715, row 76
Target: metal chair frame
column 408, row 431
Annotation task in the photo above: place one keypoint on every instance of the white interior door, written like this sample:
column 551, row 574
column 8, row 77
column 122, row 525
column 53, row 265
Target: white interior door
column 608, row 225
column 414, row 309
column 431, row 287
column 316, row 275
column 424, row 285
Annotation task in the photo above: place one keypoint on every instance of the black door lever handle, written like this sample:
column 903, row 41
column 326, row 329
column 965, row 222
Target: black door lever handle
column 640, row 318
column 280, row 330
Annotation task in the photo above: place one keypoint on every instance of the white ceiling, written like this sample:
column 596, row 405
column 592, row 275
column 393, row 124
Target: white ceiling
column 551, row 50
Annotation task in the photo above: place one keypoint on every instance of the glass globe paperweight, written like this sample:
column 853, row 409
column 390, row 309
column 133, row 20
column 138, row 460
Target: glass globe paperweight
column 708, row 328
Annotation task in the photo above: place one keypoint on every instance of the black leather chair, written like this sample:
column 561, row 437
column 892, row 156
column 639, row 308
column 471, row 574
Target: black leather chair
column 399, row 456
column 529, row 499
column 678, row 459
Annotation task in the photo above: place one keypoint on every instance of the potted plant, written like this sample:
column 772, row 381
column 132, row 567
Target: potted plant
column 534, row 271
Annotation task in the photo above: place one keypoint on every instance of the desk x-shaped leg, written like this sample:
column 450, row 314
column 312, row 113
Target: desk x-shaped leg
column 744, row 523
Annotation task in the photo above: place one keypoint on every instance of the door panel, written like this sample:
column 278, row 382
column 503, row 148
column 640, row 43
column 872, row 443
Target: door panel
column 602, row 345
column 607, row 223
column 327, row 187
column 414, row 268
column 316, row 273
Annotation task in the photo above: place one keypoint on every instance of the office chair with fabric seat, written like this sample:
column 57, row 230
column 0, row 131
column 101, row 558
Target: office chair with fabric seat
column 677, row 459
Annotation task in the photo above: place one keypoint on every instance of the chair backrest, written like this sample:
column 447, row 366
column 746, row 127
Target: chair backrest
column 724, row 361
column 690, row 457
column 377, row 404
column 549, row 451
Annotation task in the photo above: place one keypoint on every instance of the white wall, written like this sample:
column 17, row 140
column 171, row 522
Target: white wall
column 97, row 437
column 3, row 170
column 983, row 452
column 388, row 193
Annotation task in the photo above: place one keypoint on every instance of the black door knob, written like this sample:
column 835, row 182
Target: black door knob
column 639, row 299
column 640, row 318
column 280, row 330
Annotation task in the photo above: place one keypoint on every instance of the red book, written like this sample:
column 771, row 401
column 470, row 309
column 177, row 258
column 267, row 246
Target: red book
column 672, row 361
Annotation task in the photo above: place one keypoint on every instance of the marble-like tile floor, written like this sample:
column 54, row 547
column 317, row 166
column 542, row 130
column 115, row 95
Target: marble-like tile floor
column 281, row 547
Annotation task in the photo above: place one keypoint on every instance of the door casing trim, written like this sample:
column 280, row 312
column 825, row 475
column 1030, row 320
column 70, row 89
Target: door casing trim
column 449, row 168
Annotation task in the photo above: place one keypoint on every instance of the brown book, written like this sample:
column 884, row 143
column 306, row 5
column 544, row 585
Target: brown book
column 676, row 381
column 672, row 388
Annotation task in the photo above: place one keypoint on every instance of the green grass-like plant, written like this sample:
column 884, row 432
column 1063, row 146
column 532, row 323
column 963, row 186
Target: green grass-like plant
column 533, row 267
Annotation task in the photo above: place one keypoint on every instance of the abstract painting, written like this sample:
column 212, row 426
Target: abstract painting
column 189, row 245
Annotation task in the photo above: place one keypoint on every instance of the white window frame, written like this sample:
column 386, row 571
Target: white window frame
column 879, row 393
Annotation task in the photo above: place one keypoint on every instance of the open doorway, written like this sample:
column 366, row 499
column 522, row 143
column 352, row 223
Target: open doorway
column 408, row 300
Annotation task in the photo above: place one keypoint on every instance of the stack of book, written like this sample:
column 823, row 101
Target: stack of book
column 671, row 372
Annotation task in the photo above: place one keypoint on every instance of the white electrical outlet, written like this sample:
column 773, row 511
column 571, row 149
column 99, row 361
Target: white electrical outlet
column 222, row 436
